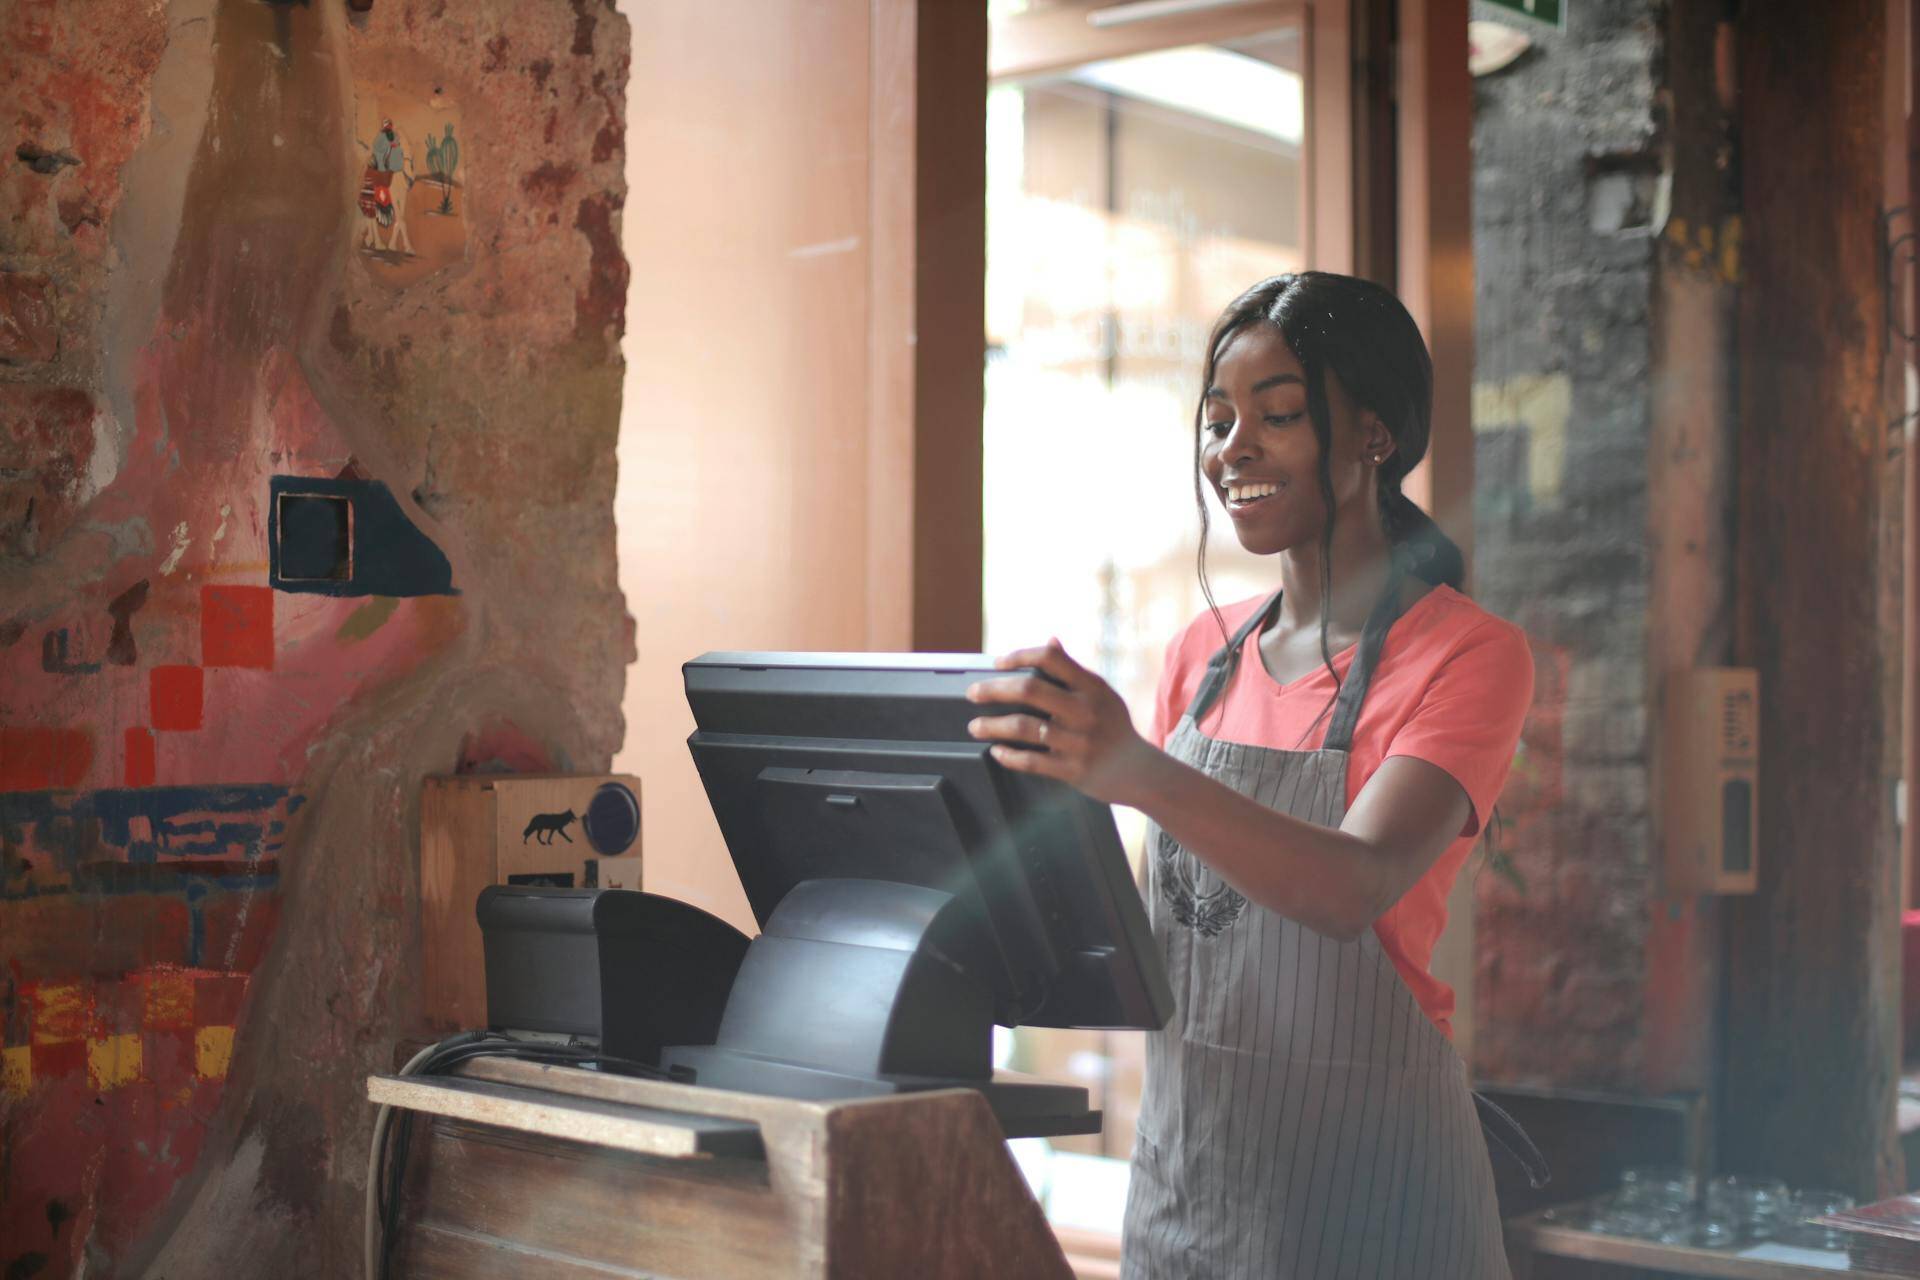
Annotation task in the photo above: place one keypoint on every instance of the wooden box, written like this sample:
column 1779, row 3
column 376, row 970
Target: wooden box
column 570, row 831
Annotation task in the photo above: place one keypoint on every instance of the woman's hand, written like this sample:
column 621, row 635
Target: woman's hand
column 1088, row 738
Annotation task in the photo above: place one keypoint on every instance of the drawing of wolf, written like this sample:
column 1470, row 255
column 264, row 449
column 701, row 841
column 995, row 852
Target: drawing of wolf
column 548, row 825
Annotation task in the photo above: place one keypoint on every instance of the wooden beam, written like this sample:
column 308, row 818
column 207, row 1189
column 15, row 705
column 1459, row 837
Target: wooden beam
column 949, row 341
column 926, row 329
column 1427, row 243
column 1691, row 479
column 1372, row 201
column 1435, row 255
column 1058, row 36
column 1812, row 1053
column 1904, row 174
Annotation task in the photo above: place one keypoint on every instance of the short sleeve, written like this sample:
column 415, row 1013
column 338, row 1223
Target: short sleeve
column 1187, row 653
column 1469, row 718
column 1187, row 657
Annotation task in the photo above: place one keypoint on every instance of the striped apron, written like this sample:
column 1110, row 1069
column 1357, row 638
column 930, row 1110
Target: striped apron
column 1302, row 1117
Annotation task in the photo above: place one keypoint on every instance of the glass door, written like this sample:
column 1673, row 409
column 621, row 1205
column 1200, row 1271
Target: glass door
column 1145, row 163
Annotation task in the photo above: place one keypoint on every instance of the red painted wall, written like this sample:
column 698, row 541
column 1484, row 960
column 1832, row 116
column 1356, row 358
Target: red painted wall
column 206, row 779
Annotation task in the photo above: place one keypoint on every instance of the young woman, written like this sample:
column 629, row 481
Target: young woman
column 1321, row 762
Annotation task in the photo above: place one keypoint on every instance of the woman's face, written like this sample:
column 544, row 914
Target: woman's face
column 1257, row 445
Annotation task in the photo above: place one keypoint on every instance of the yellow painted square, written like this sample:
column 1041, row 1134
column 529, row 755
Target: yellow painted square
column 16, row 1069
column 212, row 1051
column 113, row 1061
column 169, row 999
column 59, row 1014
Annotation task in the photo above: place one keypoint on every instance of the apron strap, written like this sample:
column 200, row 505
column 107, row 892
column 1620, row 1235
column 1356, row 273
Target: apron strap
column 1504, row 1133
column 1373, row 637
column 1353, row 690
column 1221, row 666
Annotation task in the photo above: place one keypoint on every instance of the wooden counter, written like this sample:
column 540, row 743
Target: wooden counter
column 552, row 1173
column 1536, row 1241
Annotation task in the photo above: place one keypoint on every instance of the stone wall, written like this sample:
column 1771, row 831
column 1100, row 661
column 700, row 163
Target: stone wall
column 1566, row 194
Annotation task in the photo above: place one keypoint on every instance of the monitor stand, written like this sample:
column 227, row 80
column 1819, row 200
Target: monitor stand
column 853, row 990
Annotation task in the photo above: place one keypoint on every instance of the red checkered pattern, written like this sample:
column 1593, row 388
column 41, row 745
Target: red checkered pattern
column 236, row 630
column 163, row 1025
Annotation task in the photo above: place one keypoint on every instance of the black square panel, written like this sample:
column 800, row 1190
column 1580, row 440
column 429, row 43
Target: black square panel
column 315, row 537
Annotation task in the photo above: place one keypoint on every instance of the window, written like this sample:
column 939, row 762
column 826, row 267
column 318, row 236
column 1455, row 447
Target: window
column 1131, row 194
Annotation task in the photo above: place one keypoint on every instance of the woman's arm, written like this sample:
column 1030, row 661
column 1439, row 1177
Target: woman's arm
column 1336, row 882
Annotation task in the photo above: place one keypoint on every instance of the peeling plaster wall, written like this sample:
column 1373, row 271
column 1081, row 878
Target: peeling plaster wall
column 208, row 781
column 1565, row 160
column 1608, row 244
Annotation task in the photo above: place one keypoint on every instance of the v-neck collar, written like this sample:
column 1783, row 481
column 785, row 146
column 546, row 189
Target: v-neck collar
column 1343, row 659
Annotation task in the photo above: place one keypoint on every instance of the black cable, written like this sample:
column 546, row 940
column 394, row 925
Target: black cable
column 390, row 1209
column 551, row 1055
column 386, row 1190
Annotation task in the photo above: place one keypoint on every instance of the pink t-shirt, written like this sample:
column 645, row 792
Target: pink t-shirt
column 1452, row 687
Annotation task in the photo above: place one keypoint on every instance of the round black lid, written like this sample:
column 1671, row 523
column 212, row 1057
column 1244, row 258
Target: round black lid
column 613, row 819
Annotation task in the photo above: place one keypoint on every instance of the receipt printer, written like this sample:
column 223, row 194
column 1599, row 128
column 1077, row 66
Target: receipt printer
column 617, row 968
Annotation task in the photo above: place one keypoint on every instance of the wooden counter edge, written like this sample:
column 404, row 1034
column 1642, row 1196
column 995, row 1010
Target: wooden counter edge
column 1592, row 1246
column 650, row 1131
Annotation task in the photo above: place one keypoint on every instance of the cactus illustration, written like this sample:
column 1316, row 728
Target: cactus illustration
column 448, row 155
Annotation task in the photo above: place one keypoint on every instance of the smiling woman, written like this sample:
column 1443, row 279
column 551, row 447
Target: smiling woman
column 1136, row 177
column 1282, row 386
column 1297, row 888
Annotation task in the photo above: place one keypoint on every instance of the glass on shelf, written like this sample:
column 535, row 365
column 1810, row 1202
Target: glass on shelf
column 1658, row 1186
column 1616, row 1219
column 1807, row 1204
column 1755, row 1207
column 1714, row 1229
column 1653, row 1203
column 1663, row 1204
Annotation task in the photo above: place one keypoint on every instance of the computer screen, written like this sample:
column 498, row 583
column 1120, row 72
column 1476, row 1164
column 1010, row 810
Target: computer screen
column 860, row 767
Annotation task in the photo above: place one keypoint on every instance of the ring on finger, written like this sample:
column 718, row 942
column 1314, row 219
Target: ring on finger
column 1042, row 735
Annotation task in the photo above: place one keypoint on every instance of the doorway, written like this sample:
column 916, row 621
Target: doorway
column 1145, row 163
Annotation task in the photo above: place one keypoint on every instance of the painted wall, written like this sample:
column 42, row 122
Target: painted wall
column 374, row 259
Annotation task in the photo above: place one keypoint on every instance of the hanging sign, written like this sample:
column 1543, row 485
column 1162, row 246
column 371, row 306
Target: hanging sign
column 1553, row 12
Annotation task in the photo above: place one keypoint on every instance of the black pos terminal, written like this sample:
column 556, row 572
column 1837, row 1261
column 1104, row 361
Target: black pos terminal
column 910, row 892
